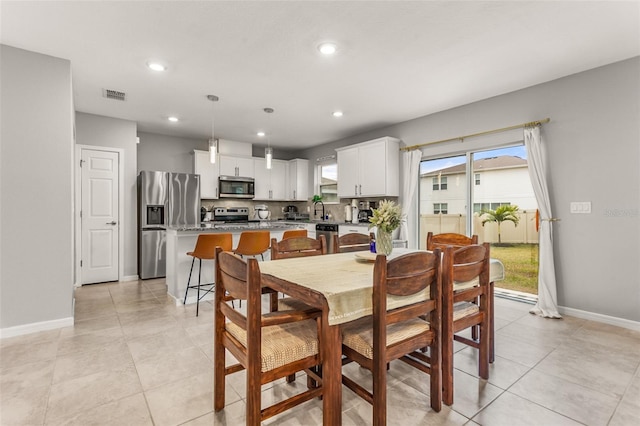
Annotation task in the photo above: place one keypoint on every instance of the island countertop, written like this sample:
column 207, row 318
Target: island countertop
column 235, row 227
column 181, row 240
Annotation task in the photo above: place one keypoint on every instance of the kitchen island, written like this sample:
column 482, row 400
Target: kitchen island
column 183, row 240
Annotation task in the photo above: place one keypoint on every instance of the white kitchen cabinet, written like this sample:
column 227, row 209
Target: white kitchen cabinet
column 298, row 179
column 271, row 184
column 231, row 165
column 369, row 169
column 209, row 174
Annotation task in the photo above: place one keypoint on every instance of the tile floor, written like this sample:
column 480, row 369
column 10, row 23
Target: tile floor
column 134, row 358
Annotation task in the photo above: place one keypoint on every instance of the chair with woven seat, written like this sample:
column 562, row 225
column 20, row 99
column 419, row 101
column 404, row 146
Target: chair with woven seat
column 352, row 242
column 268, row 347
column 291, row 248
column 457, row 241
column 253, row 243
column 298, row 247
column 465, row 280
column 398, row 333
column 294, row 233
column 205, row 249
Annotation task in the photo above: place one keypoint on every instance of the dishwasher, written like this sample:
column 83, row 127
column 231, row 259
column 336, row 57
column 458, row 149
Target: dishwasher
column 328, row 230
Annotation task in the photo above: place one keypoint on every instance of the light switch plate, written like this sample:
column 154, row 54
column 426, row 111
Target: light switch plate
column 580, row 207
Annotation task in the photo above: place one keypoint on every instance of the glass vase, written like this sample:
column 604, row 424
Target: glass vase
column 384, row 243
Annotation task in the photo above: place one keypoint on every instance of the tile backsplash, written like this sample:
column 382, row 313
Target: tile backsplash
column 336, row 211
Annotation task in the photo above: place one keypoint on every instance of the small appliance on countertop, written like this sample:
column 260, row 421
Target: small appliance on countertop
column 261, row 212
column 364, row 215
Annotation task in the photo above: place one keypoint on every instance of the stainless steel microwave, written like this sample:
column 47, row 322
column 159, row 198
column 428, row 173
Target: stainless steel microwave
column 236, row 187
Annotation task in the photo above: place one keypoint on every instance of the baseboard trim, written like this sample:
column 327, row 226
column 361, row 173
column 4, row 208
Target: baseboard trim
column 619, row 322
column 130, row 278
column 35, row 327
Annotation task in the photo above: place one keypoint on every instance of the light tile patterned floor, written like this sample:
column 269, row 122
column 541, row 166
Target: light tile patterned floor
column 134, row 358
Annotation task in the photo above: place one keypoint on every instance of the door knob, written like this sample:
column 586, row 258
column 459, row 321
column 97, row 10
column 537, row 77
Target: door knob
column 112, row 223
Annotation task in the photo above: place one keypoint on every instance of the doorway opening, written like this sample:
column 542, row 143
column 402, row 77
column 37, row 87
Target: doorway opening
column 487, row 193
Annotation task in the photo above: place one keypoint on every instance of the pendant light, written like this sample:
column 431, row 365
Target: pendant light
column 268, row 151
column 213, row 142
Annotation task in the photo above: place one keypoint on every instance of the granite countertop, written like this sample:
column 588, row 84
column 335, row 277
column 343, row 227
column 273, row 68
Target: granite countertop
column 221, row 226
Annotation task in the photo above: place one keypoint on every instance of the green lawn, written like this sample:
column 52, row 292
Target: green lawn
column 521, row 266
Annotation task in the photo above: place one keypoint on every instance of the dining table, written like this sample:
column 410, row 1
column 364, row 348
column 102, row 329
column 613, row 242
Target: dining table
column 341, row 286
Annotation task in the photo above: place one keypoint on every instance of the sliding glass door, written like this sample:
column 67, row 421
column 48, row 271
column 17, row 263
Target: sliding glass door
column 487, row 193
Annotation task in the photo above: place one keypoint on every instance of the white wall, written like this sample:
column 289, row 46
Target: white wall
column 36, row 191
column 593, row 150
column 97, row 130
column 167, row 153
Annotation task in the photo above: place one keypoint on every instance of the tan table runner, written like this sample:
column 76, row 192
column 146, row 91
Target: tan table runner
column 345, row 282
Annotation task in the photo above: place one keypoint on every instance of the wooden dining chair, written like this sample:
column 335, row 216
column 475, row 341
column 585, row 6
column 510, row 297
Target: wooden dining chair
column 253, row 243
column 441, row 241
column 465, row 280
column 205, row 249
column 352, row 242
column 398, row 333
column 289, row 248
column 268, row 347
column 298, row 247
column 457, row 241
column 294, row 233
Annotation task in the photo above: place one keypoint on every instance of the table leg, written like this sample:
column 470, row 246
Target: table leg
column 331, row 373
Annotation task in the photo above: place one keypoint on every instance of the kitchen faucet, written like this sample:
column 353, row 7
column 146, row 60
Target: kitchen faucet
column 315, row 209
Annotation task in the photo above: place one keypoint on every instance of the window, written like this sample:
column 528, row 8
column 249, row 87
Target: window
column 478, row 207
column 328, row 182
column 440, row 208
column 439, row 183
column 477, row 178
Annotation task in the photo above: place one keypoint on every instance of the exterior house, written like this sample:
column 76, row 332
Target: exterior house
column 496, row 181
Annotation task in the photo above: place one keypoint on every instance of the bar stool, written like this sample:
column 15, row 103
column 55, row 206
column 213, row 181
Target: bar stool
column 253, row 243
column 206, row 249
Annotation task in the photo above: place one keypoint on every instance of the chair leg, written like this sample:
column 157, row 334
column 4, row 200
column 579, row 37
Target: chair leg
column 199, row 276
column 188, row 282
column 447, row 359
column 492, row 327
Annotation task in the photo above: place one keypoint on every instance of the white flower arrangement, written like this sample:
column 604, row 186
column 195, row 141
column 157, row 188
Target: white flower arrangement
column 387, row 217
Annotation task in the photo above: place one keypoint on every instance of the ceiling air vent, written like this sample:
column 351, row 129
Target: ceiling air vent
column 114, row 94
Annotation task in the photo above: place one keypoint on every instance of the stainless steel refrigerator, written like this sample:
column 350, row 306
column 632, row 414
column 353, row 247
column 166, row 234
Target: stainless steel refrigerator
column 164, row 200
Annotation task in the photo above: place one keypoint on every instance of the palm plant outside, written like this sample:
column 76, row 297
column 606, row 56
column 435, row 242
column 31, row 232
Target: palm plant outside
column 501, row 214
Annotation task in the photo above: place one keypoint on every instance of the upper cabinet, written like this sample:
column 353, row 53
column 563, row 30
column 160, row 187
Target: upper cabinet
column 369, row 169
column 271, row 184
column 231, row 165
column 298, row 179
column 208, row 172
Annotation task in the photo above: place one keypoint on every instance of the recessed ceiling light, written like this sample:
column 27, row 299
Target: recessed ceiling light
column 173, row 119
column 337, row 113
column 156, row 66
column 261, row 134
column 327, row 48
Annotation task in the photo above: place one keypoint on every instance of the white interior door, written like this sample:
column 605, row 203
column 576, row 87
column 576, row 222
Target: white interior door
column 99, row 216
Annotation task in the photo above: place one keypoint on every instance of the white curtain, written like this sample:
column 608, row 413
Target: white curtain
column 411, row 169
column 547, row 305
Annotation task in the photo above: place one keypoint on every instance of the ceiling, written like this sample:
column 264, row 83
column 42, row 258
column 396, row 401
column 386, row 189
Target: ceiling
column 396, row 60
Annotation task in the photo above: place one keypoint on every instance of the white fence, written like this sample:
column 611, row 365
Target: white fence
column 525, row 232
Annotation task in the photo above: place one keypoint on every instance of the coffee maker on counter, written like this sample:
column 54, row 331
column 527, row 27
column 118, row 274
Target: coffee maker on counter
column 365, row 211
